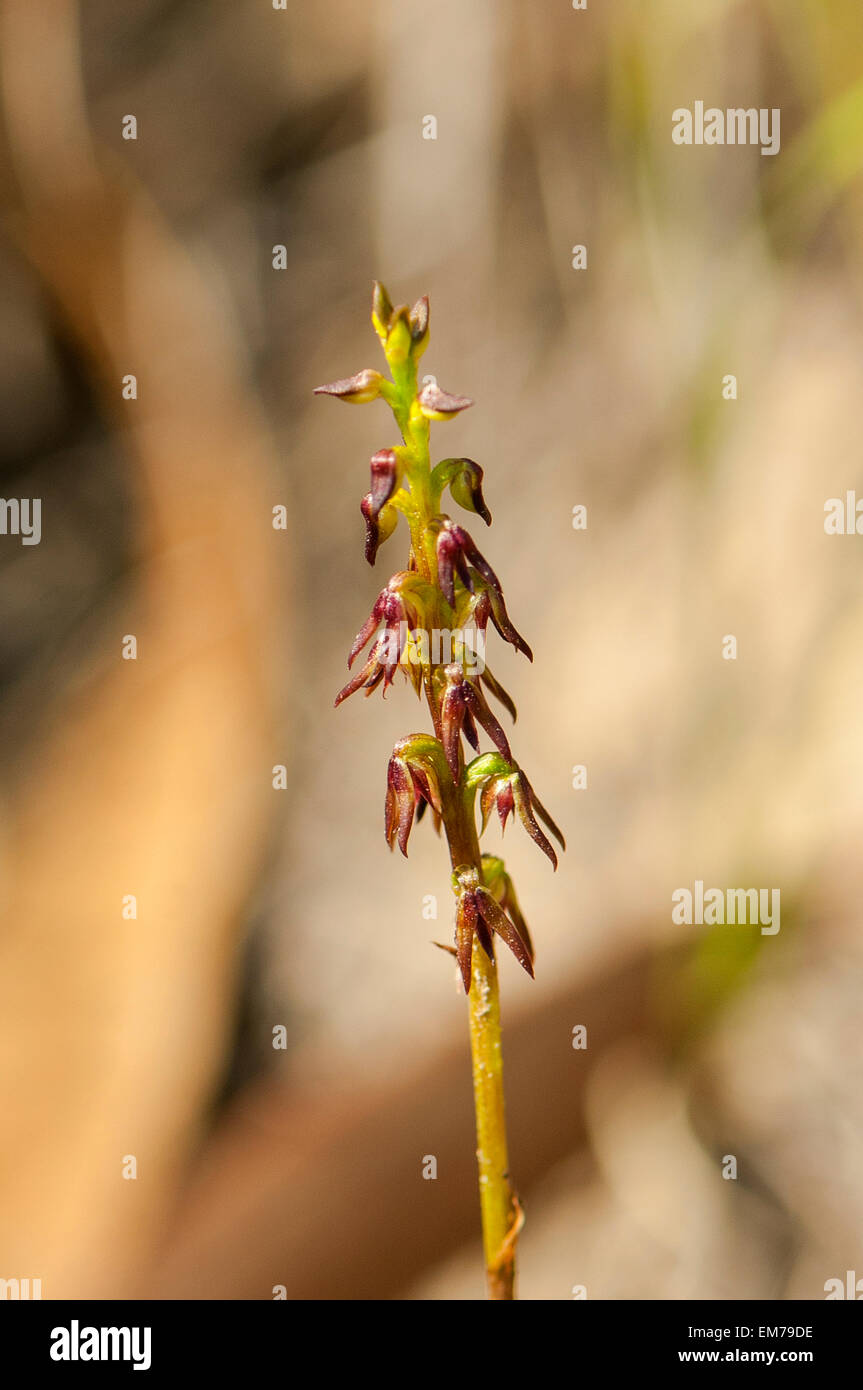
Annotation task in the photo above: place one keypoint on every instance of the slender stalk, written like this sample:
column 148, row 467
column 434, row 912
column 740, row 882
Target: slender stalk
column 496, row 1202
column 499, row 1225
column 497, row 1206
column 449, row 583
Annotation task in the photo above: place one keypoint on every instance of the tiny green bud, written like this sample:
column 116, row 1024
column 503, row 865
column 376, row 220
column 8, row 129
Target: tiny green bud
column 465, row 483
column 399, row 341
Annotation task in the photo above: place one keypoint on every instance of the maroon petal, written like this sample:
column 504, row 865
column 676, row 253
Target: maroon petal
column 499, row 693
column 452, row 718
column 504, row 801
column 478, row 707
column 513, row 911
column 395, row 653
column 525, row 813
column 447, row 550
column 379, row 526
column 451, row 561
column 500, row 618
column 486, row 804
column 475, row 556
column 399, row 806
column 384, row 478
column 483, row 933
column 373, row 537
column 368, row 628
column 427, row 788
column 469, row 729
column 374, row 681
column 498, row 922
column 466, row 915
column 482, row 611
column 543, row 813
column 360, row 678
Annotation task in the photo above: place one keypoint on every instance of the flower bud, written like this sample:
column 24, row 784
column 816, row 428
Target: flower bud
column 436, row 404
column 457, row 554
column 399, row 805
column 365, row 386
column 397, row 607
column 382, row 309
column 463, row 703
column 450, row 561
column 466, row 488
column 399, row 341
column 419, row 326
column 455, row 718
column 384, row 478
column 478, row 911
column 413, row 778
column 379, row 525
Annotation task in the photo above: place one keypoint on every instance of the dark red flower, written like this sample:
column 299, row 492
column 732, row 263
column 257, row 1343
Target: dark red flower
column 515, row 793
column 394, row 610
column 457, row 555
column 384, row 478
column 505, row 788
column 477, row 911
column 380, row 524
column 413, row 780
column 463, row 703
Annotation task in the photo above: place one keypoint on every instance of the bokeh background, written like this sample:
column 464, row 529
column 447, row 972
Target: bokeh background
column 153, row 1037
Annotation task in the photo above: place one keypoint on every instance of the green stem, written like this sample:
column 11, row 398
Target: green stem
column 499, row 1210
column 496, row 1201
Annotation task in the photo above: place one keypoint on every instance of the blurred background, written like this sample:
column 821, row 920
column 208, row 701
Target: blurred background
column 146, row 1043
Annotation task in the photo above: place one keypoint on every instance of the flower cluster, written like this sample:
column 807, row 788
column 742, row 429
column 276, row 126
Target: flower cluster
column 447, row 584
